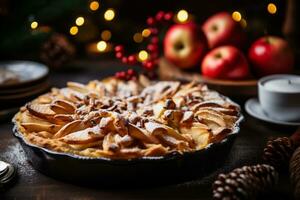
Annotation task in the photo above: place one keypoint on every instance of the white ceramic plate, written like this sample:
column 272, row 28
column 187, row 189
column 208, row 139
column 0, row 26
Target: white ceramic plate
column 27, row 71
column 254, row 109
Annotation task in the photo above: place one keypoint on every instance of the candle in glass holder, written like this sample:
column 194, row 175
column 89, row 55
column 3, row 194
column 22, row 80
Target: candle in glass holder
column 279, row 96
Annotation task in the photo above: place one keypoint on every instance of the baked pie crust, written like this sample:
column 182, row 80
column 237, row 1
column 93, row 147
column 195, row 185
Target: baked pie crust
column 127, row 119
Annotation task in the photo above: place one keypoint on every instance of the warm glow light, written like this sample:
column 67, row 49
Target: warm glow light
column 236, row 16
column 94, row 5
column 101, row 46
column 109, row 14
column 138, row 38
column 34, row 25
column 182, row 16
column 243, row 23
column 79, row 21
column 73, row 30
column 146, row 33
column 272, row 9
column 143, row 55
column 106, row 35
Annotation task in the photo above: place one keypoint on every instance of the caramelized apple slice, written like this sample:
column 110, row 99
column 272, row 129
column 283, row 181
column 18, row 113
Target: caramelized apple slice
column 207, row 116
column 63, row 118
column 217, row 116
column 40, row 110
column 26, row 117
column 141, row 134
column 69, row 128
column 160, row 129
column 77, row 87
column 173, row 117
column 171, row 141
column 35, row 127
column 199, row 133
column 44, row 99
column 66, row 105
column 58, row 109
column 84, row 136
column 202, row 140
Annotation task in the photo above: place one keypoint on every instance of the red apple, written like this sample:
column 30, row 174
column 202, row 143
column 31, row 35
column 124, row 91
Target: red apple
column 271, row 55
column 220, row 29
column 225, row 62
column 185, row 45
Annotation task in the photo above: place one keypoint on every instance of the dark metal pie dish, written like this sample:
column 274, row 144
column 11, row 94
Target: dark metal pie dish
column 171, row 168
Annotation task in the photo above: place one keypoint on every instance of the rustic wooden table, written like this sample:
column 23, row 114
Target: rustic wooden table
column 31, row 184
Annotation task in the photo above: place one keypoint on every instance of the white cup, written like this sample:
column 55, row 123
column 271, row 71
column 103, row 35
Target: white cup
column 279, row 97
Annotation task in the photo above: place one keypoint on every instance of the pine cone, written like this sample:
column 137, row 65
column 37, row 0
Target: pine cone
column 295, row 172
column 278, row 153
column 245, row 183
column 57, row 50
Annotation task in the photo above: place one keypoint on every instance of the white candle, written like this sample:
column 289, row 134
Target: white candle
column 290, row 84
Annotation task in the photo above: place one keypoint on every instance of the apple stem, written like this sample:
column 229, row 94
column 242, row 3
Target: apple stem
column 178, row 46
column 218, row 55
column 214, row 27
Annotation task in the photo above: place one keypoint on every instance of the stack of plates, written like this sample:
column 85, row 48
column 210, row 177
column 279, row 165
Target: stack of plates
column 21, row 81
column 7, row 174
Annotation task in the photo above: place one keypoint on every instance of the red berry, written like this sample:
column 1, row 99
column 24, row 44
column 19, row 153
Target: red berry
column 154, row 31
column 122, row 74
column 168, row 16
column 132, row 59
column 119, row 48
column 151, row 21
column 125, row 60
column 152, row 47
column 154, row 40
column 130, row 72
column 149, row 65
column 119, row 55
column 160, row 16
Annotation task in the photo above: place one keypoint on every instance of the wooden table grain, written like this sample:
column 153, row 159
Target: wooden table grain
column 31, row 184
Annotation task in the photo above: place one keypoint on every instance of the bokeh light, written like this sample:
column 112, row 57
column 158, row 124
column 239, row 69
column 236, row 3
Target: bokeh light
column 79, row 21
column 236, row 16
column 146, row 32
column 101, row 46
column 182, row 16
column 106, row 35
column 138, row 37
column 109, row 14
column 73, row 30
column 94, row 5
column 143, row 55
column 34, row 24
column 272, row 9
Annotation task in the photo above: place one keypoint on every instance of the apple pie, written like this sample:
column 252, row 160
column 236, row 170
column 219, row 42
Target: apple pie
column 127, row 119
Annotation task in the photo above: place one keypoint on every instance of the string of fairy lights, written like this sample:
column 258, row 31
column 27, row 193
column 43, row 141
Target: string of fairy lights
column 109, row 14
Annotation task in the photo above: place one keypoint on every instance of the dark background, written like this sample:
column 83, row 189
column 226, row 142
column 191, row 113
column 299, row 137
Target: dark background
column 19, row 41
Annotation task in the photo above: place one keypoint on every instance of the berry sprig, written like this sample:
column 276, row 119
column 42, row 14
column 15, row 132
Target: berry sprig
column 130, row 74
column 153, row 24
